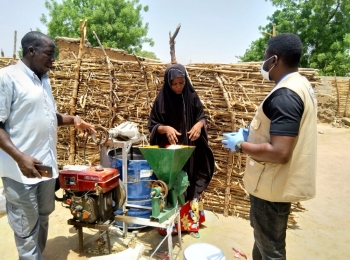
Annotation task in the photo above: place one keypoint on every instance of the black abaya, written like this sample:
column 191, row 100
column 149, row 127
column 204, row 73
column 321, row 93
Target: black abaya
column 182, row 112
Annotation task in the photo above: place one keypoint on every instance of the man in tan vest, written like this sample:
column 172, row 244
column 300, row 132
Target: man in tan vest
column 280, row 146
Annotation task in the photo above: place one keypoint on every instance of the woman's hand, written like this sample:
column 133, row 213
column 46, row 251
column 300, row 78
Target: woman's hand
column 195, row 132
column 171, row 134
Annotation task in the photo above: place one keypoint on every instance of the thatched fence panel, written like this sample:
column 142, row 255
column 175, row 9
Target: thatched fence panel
column 341, row 90
column 135, row 86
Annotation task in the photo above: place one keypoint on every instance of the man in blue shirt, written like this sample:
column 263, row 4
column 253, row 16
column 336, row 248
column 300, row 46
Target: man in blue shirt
column 28, row 136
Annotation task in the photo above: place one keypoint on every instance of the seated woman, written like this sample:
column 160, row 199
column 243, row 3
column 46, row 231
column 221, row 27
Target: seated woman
column 177, row 117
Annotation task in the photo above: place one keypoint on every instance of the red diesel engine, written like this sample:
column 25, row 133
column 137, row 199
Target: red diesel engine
column 91, row 193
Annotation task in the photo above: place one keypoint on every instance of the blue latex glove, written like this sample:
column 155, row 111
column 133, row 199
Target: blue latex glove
column 233, row 138
column 246, row 133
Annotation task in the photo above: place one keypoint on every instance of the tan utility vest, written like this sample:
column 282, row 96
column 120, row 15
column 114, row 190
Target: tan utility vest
column 295, row 180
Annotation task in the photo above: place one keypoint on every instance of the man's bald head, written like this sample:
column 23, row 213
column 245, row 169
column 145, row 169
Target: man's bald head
column 34, row 39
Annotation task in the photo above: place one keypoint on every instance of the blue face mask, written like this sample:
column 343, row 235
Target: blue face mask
column 264, row 73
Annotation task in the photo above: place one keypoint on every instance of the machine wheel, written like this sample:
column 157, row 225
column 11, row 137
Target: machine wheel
column 120, row 195
column 161, row 184
column 101, row 137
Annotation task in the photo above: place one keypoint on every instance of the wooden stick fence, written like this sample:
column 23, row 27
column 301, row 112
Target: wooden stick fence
column 230, row 94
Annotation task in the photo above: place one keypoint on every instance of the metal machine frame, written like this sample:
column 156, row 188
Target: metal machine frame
column 168, row 224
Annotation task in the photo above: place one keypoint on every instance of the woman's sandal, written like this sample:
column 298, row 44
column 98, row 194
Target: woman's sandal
column 195, row 234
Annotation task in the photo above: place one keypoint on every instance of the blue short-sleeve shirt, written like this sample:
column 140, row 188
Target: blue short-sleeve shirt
column 28, row 111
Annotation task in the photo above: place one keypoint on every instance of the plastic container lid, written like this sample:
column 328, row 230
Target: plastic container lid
column 203, row 251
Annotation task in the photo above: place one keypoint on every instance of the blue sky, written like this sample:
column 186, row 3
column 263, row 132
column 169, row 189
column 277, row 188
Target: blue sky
column 212, row 31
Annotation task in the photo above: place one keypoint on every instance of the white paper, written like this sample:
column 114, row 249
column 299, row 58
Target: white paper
column 146, row 173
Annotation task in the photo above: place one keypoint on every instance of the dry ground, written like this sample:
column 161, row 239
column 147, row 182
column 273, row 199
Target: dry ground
column 323, row 231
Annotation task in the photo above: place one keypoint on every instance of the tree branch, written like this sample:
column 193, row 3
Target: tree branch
column 336, row 9
column 73, row 101
column 111, row 79
column 172, row 44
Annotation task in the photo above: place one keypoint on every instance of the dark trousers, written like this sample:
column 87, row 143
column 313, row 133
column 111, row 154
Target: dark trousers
column 269, row 221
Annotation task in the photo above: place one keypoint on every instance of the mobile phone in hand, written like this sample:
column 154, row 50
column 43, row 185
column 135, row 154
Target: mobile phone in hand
column 44, row 170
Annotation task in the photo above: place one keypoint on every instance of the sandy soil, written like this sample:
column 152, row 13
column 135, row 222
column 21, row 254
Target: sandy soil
column 323, row 231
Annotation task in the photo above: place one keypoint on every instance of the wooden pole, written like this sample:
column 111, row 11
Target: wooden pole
column 273, row 31
column 347, row 101
column 142, row 68
column 230, row 158
column 336, row 88
column 188, row 76
column 172, row 44
column 73, row 100
column 14, row 45
column 111, row 80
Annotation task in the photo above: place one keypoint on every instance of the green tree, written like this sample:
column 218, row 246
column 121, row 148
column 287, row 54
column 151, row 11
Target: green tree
column 20, row 53
column 117, row 23
column 322, row 25
column 147, row 54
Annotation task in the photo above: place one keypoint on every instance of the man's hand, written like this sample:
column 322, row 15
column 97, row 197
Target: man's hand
column 81, row 125
column 172, row 134
column 232, row 138
column 246, row 133
column 24, row 162
column 26, row 165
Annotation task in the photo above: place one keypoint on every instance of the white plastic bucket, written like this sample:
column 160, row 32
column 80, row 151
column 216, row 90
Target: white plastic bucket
column 203, row 251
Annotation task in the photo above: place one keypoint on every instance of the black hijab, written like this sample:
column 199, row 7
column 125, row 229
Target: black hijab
column 182, row 112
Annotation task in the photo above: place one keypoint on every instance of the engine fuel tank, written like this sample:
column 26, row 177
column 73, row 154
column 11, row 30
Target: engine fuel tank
column 84, row 178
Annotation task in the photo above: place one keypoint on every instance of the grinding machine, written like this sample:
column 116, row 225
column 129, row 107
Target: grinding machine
column 167, row 192
column 94, row 193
